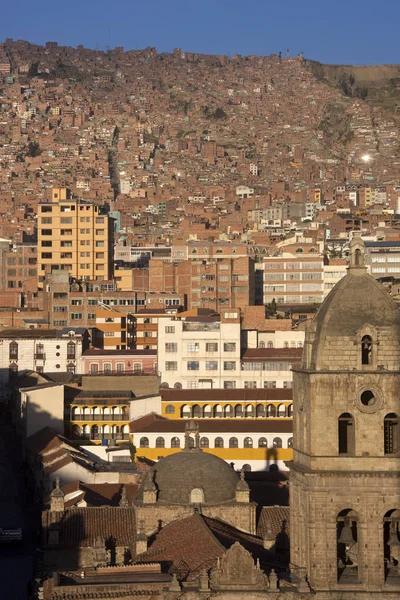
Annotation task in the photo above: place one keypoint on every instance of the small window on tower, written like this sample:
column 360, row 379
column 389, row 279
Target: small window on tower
column 366, row 350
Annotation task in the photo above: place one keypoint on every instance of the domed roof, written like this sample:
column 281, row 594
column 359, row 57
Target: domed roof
column 357, row 301
column 175, row 477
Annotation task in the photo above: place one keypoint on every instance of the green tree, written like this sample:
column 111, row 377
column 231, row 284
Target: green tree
column 34, row 149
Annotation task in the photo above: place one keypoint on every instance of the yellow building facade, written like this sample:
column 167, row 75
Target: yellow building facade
column 249, row 427
column 75, row 236
column 101, row 417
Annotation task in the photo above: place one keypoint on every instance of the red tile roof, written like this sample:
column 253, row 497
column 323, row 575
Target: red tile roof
column 81, row 527
column 229, row 395
column 272, row 425
column 188, row 545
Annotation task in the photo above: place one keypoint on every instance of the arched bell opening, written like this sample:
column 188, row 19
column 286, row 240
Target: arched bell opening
column 347, row 547
column 391, row 545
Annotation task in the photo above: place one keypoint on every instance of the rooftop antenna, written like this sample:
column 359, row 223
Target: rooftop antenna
column 108, row 47
column 287, row 53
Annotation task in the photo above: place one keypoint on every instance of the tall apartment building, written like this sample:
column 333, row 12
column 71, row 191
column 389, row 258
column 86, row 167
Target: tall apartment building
column 294, row 278
column 67, row 302
column 202, row 351
column 18, row 268
column 74, row 236
column 383, row 259
column 210, row 283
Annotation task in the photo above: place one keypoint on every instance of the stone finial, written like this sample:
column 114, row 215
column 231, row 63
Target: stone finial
column 149, row 490
column 242, row 489
column 57, row 497
column 141, row 539
column 204, row 582
column 124, row 502
column 273, row 581
column 174, row 586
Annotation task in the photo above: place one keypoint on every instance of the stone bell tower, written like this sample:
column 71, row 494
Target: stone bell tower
column 344, row 478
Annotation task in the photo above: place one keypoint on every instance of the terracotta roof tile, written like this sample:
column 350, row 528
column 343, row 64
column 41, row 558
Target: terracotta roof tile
column 80, row 527
column 229, row 395
column 273, row 519
column 188, row 545
column 234, row 425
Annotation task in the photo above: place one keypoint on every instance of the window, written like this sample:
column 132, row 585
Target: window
column 211, row 365
column 250, row 385
column 219, row 442
column 170, row 410
column 290, row 442
column 366, row 350
column 193, row 365
column 100, row 244
column 71, row 351
column 230, row 347
column 233, row 442
column 120, row 368
column 47, row 232
column 66, row 220
column 391, row 434
column 76, row 302
column 170, row 329
column 346, row 434
column 193, row 347
column 66, row 231
column 46, row 255
column 144, row 442
column 211, row 347
column 171, row 347
column 76, row 316
column 46, row 220
column 277, row 443
column 13, row 351
column 197, row 495
column 262, row 442
column 107, row 367
column 99, row 231
column 229, row 365
column 92, row 302
column 175, row 442
column 160, row 442
column 45, row 209
column 288, row 384
column 171, row 366
column 248, row 442
column 94, row 368
column 39, row 351
column 229, row 385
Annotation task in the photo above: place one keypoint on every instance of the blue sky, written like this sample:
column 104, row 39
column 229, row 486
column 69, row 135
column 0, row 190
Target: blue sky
column 332, row 31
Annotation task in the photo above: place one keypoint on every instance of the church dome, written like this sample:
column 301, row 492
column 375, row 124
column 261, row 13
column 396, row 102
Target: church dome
column 192, row 476
column 357, row 308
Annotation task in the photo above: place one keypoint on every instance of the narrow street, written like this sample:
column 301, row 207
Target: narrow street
column 16, row 562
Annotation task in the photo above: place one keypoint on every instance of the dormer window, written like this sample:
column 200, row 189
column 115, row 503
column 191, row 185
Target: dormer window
column 366, row 350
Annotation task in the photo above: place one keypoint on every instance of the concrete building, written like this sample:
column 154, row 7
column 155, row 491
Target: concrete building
column 200, row 351
column 74, row 236
column 383, row 259
column 294, row 278
column 40, row 350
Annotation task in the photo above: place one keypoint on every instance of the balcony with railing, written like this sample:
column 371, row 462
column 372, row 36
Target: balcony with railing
column 100, row 433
